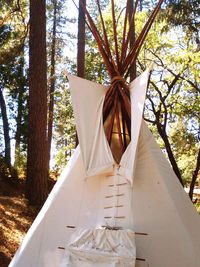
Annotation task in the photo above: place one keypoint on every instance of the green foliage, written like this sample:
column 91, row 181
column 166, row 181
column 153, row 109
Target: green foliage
column 64, row 126
column 13, row 29
column 13, row 80
column 198, row 207
column 184, row 13
column 185, row 149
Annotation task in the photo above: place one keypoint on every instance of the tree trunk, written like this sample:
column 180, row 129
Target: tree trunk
column 81, row 47
column 36, row 186
column 18, row 130
column 20, row 102
column 132, row 38
column 81, row 41
column 5, row 129
column 52, row 83
column 169, row 152
column 194, row 176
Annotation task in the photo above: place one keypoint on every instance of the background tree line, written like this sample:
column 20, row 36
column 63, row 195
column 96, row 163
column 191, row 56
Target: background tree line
column 36, row 117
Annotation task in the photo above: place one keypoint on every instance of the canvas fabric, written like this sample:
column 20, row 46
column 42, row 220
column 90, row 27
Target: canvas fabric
column 101, row 247
column 137, row 94
column 87, row 100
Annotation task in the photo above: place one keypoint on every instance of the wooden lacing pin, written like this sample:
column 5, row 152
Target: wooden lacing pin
column 109, row 207
column 120, row 184
column 138, row 233
column 119, row 206
column 61, row 248
column 108, row 196
column 71, row 226
column 140, row 259
column 119, row 217
column 119, row 195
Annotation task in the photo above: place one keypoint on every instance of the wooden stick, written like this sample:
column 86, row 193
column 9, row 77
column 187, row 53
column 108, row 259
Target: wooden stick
column 112, row 120
column 115, row 32
column 138, row 43
column 125, row 44
column 140, row 259
column 119, row 129
column 105, row 34
column 123, row 52
column 99, row 40
column 141, row 41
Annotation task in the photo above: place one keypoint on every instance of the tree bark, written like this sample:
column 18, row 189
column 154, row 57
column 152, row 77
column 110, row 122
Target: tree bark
column 169, row 152
column 194, row 176
column 81, row 46
column 81, row 41
column 132, row 38
column 36, row 183
column 5, row 129
column 52, row 83
column 20, row 102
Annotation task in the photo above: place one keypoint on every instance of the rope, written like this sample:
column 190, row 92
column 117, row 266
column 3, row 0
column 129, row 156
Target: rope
column 116, row 79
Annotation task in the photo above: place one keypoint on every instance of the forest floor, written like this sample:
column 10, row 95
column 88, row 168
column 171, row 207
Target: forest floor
column 16, row 216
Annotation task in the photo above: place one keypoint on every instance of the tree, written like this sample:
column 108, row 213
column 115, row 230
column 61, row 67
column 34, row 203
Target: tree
column 81, row 41
column 57, row 39
column 12, row 84
column 14, row 28
column 52, row 79
column 173, row 99
column 13, row 31
column 36, row 184
column 5, row 128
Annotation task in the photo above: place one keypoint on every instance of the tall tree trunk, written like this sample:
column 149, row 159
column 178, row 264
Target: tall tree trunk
column 132, row 38
column 5, row 129
column 81, row 41
column 81, row 45
column 52, row 83
column 194, row 176
column 36, row 186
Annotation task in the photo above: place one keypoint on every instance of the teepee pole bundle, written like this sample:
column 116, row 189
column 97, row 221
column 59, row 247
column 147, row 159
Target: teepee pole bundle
column 119, row 65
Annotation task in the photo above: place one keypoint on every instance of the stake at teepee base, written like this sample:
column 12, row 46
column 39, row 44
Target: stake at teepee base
column 117, row 181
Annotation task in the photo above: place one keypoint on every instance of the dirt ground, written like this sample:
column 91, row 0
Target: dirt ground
column 16, row 216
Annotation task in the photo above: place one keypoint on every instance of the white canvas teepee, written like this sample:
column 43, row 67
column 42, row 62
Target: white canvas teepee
column 141, row 197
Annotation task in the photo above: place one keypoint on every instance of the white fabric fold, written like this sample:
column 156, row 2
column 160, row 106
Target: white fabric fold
column 87, row 100
column 137, row 94
column 102, row 248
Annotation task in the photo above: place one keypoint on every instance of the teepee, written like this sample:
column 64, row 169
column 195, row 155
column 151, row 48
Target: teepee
column 118, row 202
